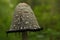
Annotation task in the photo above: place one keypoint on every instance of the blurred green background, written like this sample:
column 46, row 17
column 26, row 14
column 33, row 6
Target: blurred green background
column 47, row 13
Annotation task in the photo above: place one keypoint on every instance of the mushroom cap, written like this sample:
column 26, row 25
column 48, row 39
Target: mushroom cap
column 24, row 19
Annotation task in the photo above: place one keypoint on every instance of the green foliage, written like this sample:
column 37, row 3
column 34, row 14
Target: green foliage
column 46, row 19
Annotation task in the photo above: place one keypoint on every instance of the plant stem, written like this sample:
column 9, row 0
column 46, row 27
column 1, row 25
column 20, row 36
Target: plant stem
column 24, row 36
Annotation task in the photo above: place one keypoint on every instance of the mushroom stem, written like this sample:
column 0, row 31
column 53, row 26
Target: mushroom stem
column 24, row 36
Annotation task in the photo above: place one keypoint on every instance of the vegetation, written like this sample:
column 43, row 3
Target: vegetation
column 47, row 13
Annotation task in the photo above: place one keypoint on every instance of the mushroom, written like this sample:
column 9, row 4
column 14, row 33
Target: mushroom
column 24, row 20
